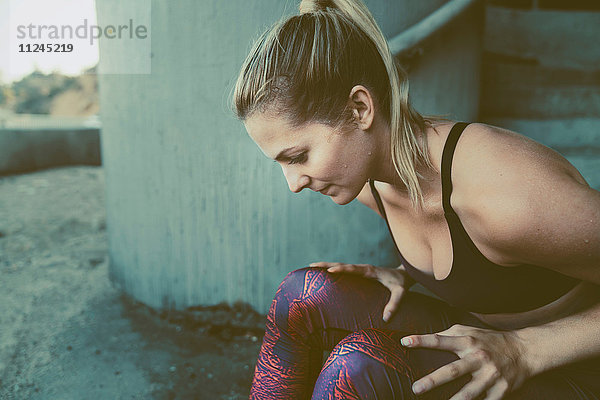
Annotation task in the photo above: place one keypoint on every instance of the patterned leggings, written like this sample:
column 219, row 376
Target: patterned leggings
column 315, row 311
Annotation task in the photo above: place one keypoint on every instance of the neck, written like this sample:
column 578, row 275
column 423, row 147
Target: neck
column 384, row 170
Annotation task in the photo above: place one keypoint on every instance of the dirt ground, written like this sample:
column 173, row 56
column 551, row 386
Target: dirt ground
column 66, row 333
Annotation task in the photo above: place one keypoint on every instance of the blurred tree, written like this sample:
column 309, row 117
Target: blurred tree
column 35, row 92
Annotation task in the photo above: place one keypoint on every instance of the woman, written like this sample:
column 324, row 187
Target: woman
column 504, row 230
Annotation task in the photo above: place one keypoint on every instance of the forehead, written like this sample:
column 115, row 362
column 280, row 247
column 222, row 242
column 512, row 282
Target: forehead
column 264, row 128
column 273, row 134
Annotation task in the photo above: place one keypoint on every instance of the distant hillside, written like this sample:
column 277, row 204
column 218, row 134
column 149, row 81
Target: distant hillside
column 53, row 94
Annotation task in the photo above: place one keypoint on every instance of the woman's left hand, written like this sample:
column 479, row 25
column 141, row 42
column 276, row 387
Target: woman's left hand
column 495, row 359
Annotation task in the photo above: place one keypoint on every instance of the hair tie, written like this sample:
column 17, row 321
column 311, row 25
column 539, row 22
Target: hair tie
column 311, row 6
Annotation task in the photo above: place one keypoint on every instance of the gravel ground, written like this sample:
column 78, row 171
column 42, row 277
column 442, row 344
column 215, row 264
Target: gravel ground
column 66, row 333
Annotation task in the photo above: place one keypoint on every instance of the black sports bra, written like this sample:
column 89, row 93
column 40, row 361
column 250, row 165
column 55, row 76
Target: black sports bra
column 475, row 283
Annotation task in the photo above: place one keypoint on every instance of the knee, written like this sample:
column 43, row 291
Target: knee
column 369, row 363
column 301, row 284
column 291, row 299
column 366, row 349
column 293, row 282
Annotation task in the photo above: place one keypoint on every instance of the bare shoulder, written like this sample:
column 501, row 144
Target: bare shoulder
column 509, row 189
column 487, row 152
column 496, row 164
column 366, row 197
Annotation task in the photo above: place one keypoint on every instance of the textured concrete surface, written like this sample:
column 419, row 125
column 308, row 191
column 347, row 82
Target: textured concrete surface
column 66, row 333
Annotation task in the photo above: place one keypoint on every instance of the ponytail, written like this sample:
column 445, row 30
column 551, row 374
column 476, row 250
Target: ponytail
column 327, row 37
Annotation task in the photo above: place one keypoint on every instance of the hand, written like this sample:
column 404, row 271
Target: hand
column 493, row 358
column 396, row 280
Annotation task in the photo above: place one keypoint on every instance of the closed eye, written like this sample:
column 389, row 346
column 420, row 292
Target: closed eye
column 298, row 159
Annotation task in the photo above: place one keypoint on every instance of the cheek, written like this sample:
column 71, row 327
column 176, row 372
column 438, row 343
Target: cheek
column 336, row 168
column 325, row 165
column 348, row 172
column 355, row 162
column 341, row 163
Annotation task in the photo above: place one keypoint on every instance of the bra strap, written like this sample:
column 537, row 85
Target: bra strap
column 447, row 155
column 377, row 199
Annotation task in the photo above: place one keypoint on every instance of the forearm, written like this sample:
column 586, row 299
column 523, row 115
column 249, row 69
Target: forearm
column 562, row 341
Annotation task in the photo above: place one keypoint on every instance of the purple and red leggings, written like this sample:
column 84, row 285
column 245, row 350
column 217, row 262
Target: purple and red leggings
column 315, row 312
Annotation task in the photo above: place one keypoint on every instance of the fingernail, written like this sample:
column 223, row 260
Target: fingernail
column 406, row 341
column 418, row 388
column 312, row 264
column 386, row 316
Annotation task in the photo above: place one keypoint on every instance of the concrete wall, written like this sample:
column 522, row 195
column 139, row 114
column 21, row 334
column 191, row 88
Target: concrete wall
column 30, row 149
column 195, row 214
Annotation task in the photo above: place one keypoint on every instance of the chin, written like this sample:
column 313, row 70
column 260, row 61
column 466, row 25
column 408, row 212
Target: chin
column 340, row 200
column 344, row 197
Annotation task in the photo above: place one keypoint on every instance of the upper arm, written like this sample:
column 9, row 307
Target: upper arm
column 528, row 203
column 366, row 197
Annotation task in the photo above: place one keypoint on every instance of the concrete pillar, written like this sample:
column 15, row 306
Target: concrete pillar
column 195, row 214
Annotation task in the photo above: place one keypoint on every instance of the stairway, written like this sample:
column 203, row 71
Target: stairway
column 541, row 78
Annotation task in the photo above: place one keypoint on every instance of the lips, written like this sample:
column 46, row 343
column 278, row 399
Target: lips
column 323, row 191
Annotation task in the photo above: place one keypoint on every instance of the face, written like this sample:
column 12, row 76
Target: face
column 315, row 156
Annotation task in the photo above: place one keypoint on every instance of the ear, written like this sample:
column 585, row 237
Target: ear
column 362, row 106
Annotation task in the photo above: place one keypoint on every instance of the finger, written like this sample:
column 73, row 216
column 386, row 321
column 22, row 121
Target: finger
column 324, row 264
column 444, row 374
column 366, row 270
column 497, row 391
column 438, row 341
column 319, row 264
column 331, row 266
column 474, row 388
column 392, row 305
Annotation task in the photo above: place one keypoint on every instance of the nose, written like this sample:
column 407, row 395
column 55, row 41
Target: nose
column 296, row 180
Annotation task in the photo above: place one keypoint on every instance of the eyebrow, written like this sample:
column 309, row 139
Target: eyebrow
column 280, row 156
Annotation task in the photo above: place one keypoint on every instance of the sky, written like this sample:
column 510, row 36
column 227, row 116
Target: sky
column 15, row 64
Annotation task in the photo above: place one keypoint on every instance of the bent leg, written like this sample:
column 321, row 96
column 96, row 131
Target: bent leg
column 371, row 364
column 313, row 310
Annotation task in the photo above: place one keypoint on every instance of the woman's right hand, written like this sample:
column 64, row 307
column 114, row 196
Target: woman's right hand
column 396, row 280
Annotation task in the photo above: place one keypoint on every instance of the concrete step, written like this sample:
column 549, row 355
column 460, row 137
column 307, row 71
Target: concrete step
column 540, row 63
column 521, row 88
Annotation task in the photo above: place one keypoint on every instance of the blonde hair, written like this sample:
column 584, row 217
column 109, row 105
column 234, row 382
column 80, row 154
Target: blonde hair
column 305, row 66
